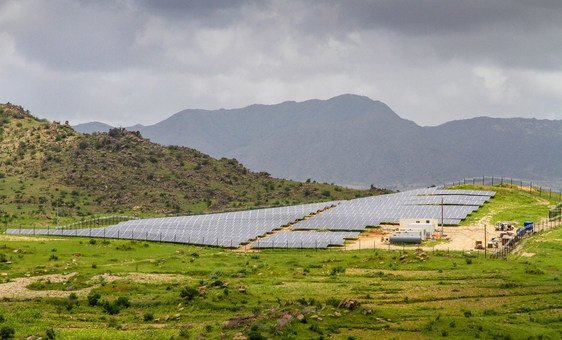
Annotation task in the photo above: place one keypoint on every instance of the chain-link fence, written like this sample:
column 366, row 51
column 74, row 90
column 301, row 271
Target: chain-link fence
column 524, row 185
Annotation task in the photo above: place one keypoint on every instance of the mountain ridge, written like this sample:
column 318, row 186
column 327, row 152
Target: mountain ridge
column 44, row 165
column 351, row 139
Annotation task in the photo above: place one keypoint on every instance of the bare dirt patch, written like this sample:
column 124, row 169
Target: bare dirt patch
column 139, row 277
column 527, row 254
column 16, row 289
column 27, row 238
column 460, row 238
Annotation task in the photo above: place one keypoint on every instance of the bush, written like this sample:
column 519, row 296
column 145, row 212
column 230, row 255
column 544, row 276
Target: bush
column 7, row 332
column 148, row 316
column 111, row 308
column 188, row 293
column 50, row 333
column 123, row 301
column 467, row 314
column 489, row 312
column 336, row 270
column 93, row 298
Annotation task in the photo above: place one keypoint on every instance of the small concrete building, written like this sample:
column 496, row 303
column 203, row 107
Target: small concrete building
column 426, row 226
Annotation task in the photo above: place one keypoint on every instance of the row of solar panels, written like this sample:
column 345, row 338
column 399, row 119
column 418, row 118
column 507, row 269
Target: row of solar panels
column 209, row 240
column 235, row 228
column 304, row 239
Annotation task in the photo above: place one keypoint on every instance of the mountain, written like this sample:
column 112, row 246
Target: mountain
column 354, row 140
column 92, row 127
column 46, row 167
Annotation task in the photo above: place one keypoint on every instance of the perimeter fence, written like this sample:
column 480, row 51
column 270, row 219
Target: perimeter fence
column 538, row 228
column 522, row 184
column 95, row 222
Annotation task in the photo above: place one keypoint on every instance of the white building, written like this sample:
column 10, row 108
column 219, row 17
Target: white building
column 425, row 226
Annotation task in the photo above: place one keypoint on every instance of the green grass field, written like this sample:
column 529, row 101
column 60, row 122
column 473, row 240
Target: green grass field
column 510, row 204
column 181, row 291
column 401, row 295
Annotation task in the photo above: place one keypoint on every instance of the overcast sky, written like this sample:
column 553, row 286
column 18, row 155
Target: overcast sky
column 126, row 62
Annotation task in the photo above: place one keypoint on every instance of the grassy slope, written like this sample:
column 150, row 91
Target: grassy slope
column 510, row 204
column 45, row 165
column 447, row 294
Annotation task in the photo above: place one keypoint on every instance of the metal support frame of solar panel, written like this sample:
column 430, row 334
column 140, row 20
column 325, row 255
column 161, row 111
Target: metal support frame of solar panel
column 304, row 239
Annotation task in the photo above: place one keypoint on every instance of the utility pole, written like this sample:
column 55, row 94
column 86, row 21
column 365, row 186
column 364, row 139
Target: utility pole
column 442, row 218
column 485, row 241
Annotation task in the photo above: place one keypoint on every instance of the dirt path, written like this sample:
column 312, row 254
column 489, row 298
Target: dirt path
column 16, row 289
column 461, row 238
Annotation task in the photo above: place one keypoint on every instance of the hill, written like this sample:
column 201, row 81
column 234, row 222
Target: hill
column 92, row 127
column 354, row 140
column 48, row 167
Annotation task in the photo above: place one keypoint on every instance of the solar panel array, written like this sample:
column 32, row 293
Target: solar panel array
column 304, row 239
column 224, row 229
column 360, row 213
column 340, row 220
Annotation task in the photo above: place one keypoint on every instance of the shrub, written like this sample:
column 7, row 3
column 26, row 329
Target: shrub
column 148, row 316
column 93, row 298
column 188, row 293
column 490, row 312
column 111, row 308
column 123, row 301
column 7, row 332
column 338, row 269
column 50, row 333
column 467, row 314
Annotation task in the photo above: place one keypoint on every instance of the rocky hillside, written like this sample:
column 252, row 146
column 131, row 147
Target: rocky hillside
column 45, row 167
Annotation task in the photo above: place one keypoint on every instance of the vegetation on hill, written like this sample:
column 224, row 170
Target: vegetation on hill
column 48, row 167
column 158, row 290
column 511, row 204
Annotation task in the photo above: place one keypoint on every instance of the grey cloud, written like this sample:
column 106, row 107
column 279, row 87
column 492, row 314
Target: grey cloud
column 128, row 61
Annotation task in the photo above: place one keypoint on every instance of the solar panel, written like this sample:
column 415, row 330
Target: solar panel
column 304, row 239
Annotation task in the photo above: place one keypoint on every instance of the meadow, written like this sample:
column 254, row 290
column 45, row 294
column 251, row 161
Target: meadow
column 119, row 289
